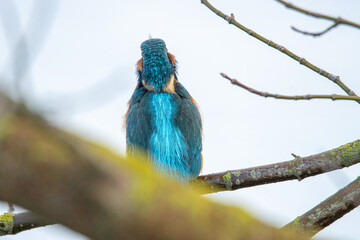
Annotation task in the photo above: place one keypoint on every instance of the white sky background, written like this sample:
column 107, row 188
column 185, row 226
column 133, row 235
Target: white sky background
column 83, row 72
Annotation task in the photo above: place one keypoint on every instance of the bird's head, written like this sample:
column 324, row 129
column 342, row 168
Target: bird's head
column 157, row 68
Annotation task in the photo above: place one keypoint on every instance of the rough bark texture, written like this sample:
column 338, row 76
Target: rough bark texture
column 299, row 168
column 330, row 210
column 103, row 196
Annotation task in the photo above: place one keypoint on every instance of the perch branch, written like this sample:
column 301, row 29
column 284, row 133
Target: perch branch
column 303, row 61
column 298, row 168
column 328, row 211
column 337, row 20
column 298, row 97
column 15, row 223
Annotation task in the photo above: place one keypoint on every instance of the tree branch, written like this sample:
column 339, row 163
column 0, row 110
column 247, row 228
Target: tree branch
column 103, row 196
column 303, row 61
column 298, row 168
column 15, row 223
column 298, row 97
column 318, row 34
column 336, row 20
column 328, row 211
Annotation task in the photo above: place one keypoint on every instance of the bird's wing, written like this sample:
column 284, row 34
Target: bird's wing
column 138, row 127
column 188, row 120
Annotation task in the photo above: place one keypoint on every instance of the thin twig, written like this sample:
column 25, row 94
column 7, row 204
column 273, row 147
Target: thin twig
column 298, row 168
column 303, row 61
column 318, row 34
column 319, row 15
column 328, row 211
column 286, row 97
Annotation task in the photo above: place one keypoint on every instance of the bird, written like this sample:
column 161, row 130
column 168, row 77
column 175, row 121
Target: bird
column 163, row 120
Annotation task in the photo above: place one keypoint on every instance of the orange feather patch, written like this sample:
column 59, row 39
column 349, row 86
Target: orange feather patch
column 194, row 102
column 139, row 64
column 172, row 59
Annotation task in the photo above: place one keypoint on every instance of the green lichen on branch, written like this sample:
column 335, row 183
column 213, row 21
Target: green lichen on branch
column 348, row 153
column 6, row 223
column 299, row 168
column 295, row 168
column 227, row 180
column 255, row 174
column 296, row 225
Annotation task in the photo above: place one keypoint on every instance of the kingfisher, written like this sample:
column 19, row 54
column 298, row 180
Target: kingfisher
column 163, row 120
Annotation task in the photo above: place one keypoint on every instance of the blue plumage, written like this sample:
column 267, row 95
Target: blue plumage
column 157, row 67
column 163, row 120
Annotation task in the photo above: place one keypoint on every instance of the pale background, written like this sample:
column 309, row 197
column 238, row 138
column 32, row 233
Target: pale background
column 77, row 66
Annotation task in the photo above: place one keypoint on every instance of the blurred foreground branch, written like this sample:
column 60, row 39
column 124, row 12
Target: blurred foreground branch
column 298, row 168
column 328, row 211
column 103, row 196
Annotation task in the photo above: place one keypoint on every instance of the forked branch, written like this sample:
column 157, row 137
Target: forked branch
column 336, row 20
